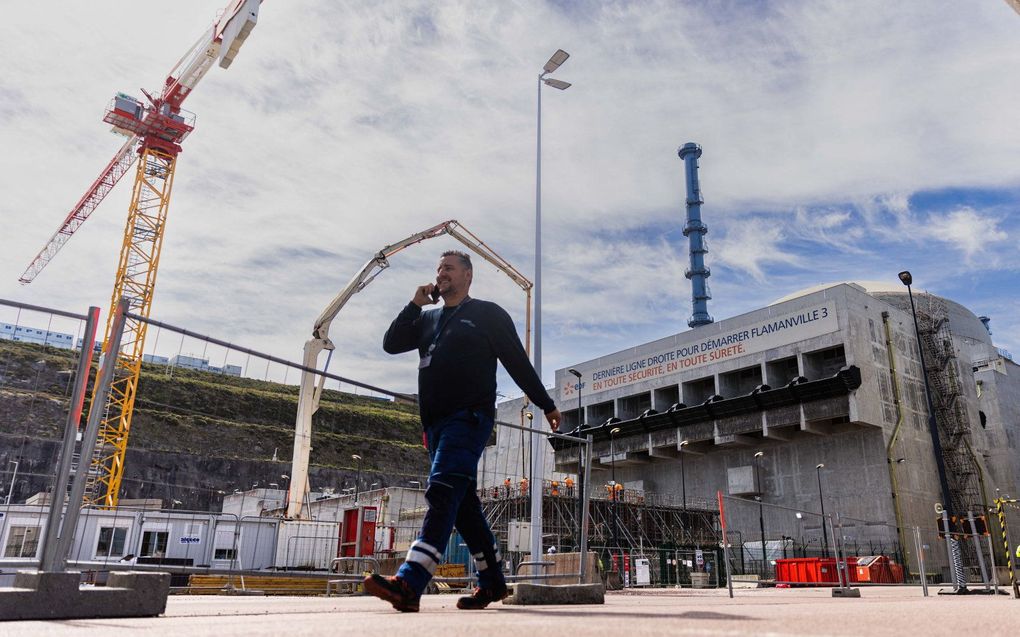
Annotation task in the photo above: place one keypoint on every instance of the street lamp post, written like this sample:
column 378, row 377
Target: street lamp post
column 357, row 479
column 683, row 474
column 761, row 513
column 933, row 430
column 14, row 476
column 580, row 462
column 558, row 58
column 537, row 459
column 821, row 501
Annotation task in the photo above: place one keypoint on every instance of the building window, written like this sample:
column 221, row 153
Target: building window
column 984, row 419
column 22, row 541
column 225, row 554
column 154, row 543
column 111, row 541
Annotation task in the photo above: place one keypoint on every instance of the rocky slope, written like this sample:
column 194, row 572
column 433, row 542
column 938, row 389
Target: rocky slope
column 195, row 434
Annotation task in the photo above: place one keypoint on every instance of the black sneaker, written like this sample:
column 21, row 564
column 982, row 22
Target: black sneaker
column 393, row 590
column 482, row 597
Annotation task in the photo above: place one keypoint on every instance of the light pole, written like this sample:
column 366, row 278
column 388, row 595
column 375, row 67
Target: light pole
column 537, row 459
column 933, row 429
column 612, row 453
column 580, row 462
column 14, row 476
column 558, row 58
column 821, row 501
column 761, row 513
column 357, row 478
column 683, row 474
column 576, row 374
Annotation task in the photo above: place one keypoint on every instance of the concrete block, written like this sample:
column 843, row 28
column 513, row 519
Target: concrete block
column 846, row 592
column 527, row 594
column 41, row 595
column 60, row 585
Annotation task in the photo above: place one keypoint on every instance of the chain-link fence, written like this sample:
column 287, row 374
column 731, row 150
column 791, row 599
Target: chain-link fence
column 195, row 472
column 799, row 547
column 206, row 483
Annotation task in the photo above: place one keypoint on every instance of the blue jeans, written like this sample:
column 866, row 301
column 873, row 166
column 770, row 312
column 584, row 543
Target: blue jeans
column 455, row 446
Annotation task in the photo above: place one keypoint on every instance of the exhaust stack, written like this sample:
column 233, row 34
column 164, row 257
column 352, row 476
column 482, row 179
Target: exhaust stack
column 695, row 231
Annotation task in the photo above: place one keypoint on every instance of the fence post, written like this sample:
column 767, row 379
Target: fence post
column 978, row 549
column 725, row 543
column 585, row 491
column 920, row 559
column 995, row 570
column 100, row 397
column 51, row 560
column 842, row 565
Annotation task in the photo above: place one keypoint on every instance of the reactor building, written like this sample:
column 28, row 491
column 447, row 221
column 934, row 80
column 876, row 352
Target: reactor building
column 752, row 405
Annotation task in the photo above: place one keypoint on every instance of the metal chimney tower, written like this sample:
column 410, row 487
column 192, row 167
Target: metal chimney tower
column 695, row 231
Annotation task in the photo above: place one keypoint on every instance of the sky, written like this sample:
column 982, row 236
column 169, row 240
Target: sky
column 841, row 141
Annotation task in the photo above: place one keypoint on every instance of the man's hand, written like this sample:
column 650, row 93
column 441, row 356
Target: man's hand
column 423, row 295
column 554, row 419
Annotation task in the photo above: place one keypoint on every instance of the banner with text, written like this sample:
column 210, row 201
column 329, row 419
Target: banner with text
column 757, row 337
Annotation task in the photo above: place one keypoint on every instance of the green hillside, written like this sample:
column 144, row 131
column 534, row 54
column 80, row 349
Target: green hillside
column 196, row 433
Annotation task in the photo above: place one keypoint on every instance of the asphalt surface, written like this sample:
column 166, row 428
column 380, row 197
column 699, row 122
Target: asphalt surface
column 903, row 612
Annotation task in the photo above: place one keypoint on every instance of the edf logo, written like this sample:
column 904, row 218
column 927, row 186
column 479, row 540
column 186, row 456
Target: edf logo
column 570, row 388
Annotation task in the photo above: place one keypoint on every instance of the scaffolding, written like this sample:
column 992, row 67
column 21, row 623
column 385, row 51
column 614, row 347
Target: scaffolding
column 942, row 369
column 629, row 524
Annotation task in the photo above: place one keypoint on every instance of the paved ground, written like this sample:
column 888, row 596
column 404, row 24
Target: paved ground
column 903, row 612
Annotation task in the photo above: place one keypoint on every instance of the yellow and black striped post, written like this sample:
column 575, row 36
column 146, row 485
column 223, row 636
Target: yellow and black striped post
column 1000, row 511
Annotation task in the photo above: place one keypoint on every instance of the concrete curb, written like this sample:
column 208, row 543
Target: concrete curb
column 44, row 595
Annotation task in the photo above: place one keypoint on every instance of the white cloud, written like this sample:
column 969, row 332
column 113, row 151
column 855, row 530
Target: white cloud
column 966, row 230
column 750, row 245
column 342, row 127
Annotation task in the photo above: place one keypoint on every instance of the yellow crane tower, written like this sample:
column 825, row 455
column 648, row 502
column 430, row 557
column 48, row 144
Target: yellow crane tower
column 155, row 130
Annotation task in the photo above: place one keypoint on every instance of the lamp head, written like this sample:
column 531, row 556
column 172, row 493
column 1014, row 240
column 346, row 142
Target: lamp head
column 614, row 431
column 820, row 465
column 574, row 372
column 683, row 443
column 557, row 84
column 558, row 58
column 530, row 416
column 355, row 456
column 905, row 277
column 759, row 454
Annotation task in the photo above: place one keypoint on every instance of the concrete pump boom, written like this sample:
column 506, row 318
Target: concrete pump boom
column 311, row 389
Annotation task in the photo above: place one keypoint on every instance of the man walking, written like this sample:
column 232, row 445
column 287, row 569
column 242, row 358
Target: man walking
column 458, row 347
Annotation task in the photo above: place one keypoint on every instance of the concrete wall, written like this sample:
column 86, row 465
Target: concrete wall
column 853, row 434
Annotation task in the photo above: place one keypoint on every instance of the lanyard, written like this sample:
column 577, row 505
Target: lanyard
column 442, row 325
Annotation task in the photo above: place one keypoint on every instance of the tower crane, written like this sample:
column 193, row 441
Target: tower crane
column 155, row 130
column 311, row 391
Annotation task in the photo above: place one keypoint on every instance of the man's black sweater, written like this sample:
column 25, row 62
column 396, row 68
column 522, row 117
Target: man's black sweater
column 461, row 370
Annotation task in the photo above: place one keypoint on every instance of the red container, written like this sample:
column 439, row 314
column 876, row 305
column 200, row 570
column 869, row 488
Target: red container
column 813, row 571
column 878, row 569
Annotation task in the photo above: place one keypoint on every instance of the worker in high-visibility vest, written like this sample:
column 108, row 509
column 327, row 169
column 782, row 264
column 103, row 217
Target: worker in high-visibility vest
column 569, row 483
column 524, row 486
column 555, row 488
column 619, row 491
column 506, row 486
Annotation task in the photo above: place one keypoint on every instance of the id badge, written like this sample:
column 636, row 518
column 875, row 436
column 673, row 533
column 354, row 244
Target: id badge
column 424, row 362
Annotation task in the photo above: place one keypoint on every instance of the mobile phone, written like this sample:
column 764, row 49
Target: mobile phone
column 435, row 294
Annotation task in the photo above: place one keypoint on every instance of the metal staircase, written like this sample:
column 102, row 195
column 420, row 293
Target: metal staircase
column 950, row 409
